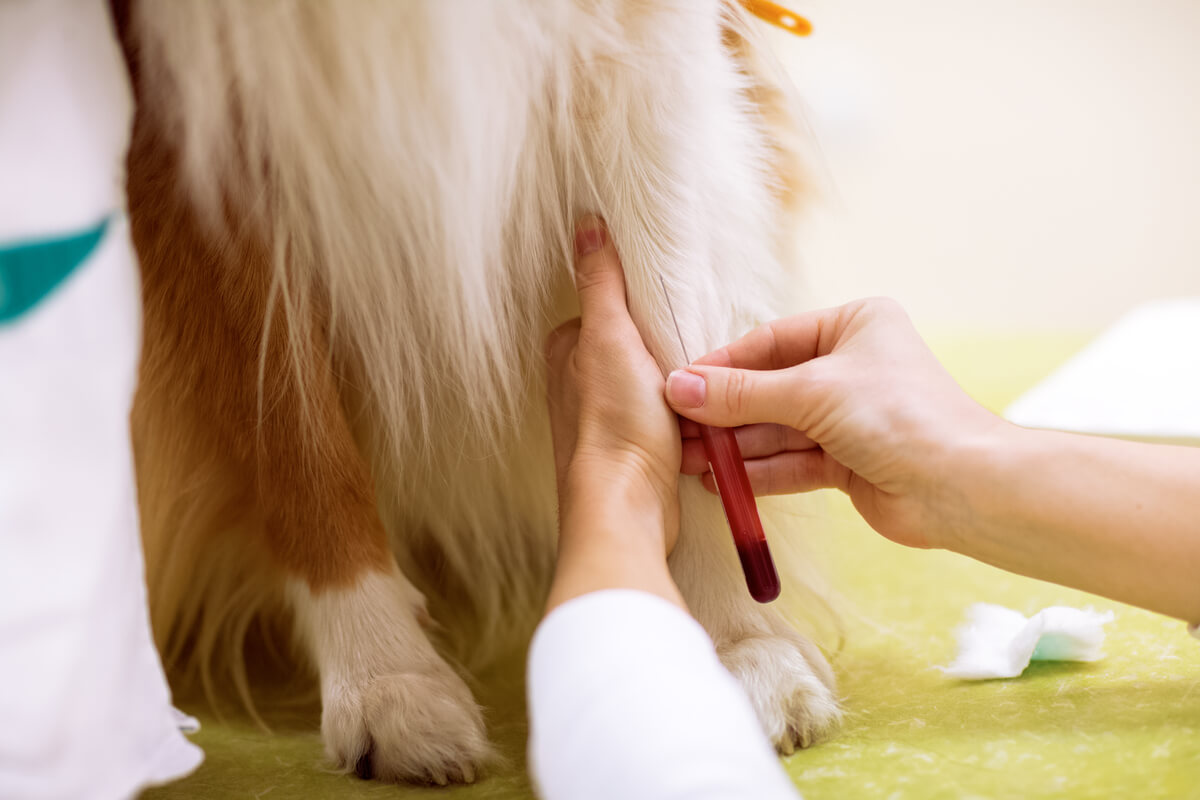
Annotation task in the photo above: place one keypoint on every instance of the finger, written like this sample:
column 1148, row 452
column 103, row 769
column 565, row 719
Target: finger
column 784, row 342
column 735, row 397
column 767, row 439
column 599, row 278
column 559, row 345
column 804, row 471
column 560, row 405
column 688, row 429
column 754, row 441
column 560, row 342
column 694, row 460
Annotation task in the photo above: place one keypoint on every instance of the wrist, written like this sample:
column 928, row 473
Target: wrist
column 614, row 532
column 620, row 485
column 965, row 497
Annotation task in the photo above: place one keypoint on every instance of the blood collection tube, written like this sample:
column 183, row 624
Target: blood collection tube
column 737, row 497
column 725, row 458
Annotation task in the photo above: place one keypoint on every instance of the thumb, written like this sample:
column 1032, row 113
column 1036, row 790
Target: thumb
column 729, row 397
column 599, row 278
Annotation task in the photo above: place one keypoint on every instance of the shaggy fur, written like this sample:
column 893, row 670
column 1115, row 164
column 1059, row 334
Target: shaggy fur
column 354, row 222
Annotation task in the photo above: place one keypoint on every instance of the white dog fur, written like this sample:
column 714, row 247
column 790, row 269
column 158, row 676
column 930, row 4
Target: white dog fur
column 422, row 163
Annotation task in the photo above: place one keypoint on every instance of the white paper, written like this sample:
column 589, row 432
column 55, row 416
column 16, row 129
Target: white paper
column 1139, row 379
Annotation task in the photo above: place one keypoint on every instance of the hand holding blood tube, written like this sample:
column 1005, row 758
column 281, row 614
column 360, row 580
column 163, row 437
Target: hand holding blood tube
column 737, row 497
column 618, row 450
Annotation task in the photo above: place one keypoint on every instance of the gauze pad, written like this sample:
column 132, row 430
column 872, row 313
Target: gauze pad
column 997, row 642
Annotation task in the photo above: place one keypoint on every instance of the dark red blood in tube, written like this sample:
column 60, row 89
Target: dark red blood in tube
column 742, row 512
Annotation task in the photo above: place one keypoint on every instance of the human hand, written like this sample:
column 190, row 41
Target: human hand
column 615, row 438
column 848, row 398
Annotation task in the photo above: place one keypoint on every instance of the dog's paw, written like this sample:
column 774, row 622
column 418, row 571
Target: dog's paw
column 790, row 686
column 420, row 727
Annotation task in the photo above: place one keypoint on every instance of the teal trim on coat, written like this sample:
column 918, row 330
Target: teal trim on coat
column 29, row 271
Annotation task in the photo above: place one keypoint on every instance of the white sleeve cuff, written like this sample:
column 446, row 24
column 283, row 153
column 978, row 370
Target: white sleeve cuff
column 628, row 699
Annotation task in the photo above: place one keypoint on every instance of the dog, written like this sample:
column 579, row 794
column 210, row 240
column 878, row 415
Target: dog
column 354, row 225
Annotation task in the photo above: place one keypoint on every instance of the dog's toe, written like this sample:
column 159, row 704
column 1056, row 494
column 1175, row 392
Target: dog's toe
column 416, row 727
column 792, row 696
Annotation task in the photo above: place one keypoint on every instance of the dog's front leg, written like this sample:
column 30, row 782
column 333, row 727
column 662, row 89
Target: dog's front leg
column 392, row 708
column 673, row 154
column 272, row 417
column 786, row 677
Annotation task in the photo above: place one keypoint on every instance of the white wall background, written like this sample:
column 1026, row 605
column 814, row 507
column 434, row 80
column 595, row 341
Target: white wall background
column 1004, row 165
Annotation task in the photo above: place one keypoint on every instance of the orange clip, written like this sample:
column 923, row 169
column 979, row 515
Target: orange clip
column 778, row 16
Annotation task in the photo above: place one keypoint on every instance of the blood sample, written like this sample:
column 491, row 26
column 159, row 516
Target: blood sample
column 733, row 485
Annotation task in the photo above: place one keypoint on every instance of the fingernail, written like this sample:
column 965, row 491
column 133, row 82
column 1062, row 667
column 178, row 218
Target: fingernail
column 686, row 389
column 589, row 235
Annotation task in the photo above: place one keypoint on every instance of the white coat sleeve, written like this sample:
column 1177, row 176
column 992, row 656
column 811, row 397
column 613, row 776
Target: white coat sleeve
column 628, row 699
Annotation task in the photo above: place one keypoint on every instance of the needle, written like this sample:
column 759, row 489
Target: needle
column 671, row 308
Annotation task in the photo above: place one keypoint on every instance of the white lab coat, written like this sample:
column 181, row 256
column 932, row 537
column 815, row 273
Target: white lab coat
column 85, row 711
column 627, row 699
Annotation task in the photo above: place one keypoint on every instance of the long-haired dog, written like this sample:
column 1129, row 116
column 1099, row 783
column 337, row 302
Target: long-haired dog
column 354, row 224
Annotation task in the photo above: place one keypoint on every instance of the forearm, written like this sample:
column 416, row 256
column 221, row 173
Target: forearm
column 628, row 699
column 611, row 537
column 1117, row 518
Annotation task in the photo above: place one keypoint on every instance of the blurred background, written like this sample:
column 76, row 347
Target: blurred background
column 1023, row 165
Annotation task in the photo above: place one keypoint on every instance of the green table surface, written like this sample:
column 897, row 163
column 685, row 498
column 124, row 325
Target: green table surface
column 1125, row 726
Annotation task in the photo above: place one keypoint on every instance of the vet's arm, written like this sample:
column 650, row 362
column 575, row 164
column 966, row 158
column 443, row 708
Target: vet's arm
column 616, row 443
column 852, row 398
column 627, row 697
column 1117, row 518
